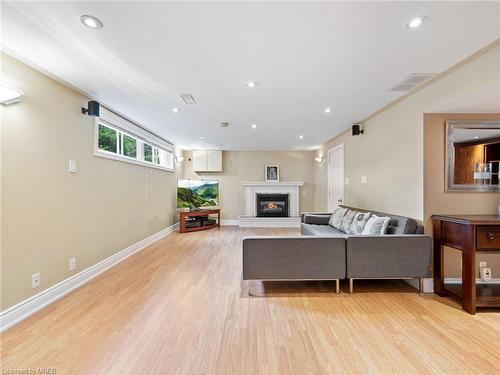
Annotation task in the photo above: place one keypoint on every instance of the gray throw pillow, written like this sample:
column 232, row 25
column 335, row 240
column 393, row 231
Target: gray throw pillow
column 359, row 222
column 347, row 220
column 336, row 219
column 376, row 225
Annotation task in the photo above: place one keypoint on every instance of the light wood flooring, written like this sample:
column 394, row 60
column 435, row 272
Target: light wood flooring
column 177, row 308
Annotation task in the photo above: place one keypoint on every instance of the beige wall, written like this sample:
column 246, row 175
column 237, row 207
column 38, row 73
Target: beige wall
column 50, row 215
column 239, row 166
column 437, row 201
column 391, row 152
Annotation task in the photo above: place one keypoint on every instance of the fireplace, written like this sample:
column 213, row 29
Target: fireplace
column 272, row 205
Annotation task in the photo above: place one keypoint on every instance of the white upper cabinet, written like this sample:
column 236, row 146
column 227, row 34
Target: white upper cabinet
column 207, row 161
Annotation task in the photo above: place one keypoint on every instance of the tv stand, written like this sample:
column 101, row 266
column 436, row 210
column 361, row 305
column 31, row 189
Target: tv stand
column 192, row 221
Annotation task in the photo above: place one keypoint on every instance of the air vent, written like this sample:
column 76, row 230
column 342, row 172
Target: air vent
column 224, row 124
column 412, row 81
column 188, row 98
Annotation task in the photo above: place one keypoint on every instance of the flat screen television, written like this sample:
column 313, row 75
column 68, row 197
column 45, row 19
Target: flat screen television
column 195, row 194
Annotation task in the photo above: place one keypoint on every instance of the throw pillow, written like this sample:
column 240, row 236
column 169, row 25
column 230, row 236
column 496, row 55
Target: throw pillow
column 347, row 220
column 376, row 225
column 359, row 222
column 337, row 216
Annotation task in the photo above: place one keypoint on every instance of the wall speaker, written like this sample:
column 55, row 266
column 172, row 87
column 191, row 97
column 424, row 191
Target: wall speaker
column 356, row 130
column 93, row 109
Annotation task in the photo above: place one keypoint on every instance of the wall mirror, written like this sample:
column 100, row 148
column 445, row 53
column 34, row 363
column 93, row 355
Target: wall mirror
column 472, row 155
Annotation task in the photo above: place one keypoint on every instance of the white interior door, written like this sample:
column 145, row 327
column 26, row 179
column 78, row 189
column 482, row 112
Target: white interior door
column 335, row 177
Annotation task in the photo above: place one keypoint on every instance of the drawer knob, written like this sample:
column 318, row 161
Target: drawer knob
column 491, row 235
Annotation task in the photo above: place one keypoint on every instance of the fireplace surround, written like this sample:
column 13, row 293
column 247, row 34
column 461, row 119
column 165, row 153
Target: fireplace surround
column 272, row 205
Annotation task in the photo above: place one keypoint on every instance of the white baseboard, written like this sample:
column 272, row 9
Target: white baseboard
column 229, row 222
column 428, row 284
column 458, row 280
column 28, row 307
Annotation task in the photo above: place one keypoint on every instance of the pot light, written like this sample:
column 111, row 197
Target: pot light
column 254, row 126
column 91, row 21
column 416, row 22
column 176, row 110
column 476, row 137
column 202, row 137
column 301, row 136
column 327, row 110
column 251, row 84
column 9, row 95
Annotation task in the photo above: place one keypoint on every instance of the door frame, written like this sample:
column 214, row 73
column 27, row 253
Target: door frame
column 329, row 177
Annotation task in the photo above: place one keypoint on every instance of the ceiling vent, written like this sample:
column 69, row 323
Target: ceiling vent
column 188, row 99
column 224, row 124
column 412, row 81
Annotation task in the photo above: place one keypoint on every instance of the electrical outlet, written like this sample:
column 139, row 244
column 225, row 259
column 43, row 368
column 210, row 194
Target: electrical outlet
column 72, row 264
column 35, row 280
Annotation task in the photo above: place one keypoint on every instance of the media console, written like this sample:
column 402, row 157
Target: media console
column 192, row 221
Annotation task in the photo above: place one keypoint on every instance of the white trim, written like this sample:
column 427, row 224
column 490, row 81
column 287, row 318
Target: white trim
column 269, row 222
column 124, row 159
column 428, row 284
column 277, row 183
column 229, row 222
column 458, row 280
column 28, row 307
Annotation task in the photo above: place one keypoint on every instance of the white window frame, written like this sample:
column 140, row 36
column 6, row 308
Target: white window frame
column 125, row 127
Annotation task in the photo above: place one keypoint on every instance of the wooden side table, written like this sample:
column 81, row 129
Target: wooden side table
column 184, row 215
column 471, row 234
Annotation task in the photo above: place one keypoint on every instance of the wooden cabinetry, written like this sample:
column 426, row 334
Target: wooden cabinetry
column 471, row 234
column 207, row 161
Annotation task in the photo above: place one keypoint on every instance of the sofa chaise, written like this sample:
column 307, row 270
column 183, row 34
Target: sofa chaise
column 323, row 252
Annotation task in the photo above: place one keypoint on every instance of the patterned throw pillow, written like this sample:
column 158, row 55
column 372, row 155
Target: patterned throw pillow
column 337, row 216
column 347, row 220
column 359, row 222
column 376, row 225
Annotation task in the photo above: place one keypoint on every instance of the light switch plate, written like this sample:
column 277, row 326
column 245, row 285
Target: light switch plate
column 346, row 180
column 35, row 280
column 364, row 179
column 72, row 166
column 72, row 264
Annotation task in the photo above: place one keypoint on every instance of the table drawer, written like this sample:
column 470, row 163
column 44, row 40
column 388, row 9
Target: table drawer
column 488, row 237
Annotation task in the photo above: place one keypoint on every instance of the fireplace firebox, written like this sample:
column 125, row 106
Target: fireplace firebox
column 272, row 205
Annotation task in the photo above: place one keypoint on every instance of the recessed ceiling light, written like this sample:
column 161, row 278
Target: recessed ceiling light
column 251, row 84
column 202, row 137
column 176, row 110
column 254, row 126
column 327, row 110
column 9, row 95
column 476, row 137
column 91, row 21
column 301, row 136
column 416, row 22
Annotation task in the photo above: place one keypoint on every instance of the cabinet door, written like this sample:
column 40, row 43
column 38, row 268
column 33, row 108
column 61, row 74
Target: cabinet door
column 200, row 161
column 214, row 161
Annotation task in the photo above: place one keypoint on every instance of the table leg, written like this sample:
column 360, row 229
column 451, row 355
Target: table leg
column 469, row 273
column 438, row 259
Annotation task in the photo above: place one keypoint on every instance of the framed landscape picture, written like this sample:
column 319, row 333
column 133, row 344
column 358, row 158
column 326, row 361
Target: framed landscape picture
column 272, row 173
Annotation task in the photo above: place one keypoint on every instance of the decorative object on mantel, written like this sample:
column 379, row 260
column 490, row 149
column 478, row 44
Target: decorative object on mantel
column 272, row 173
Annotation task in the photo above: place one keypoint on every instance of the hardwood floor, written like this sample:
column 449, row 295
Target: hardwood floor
column 176, row 308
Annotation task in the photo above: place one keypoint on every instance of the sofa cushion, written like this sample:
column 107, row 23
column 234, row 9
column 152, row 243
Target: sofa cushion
column 318, row 219
column 376, row 225
column 347, row 220
column 359, row 222
column 320, row 230
column 336, row 219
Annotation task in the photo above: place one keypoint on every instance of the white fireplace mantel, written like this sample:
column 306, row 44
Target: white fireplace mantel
column 253, row 188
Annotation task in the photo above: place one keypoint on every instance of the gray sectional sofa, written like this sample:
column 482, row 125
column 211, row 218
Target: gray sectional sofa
column 325, row 253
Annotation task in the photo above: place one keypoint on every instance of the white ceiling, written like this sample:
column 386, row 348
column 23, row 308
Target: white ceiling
column 305, row 56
